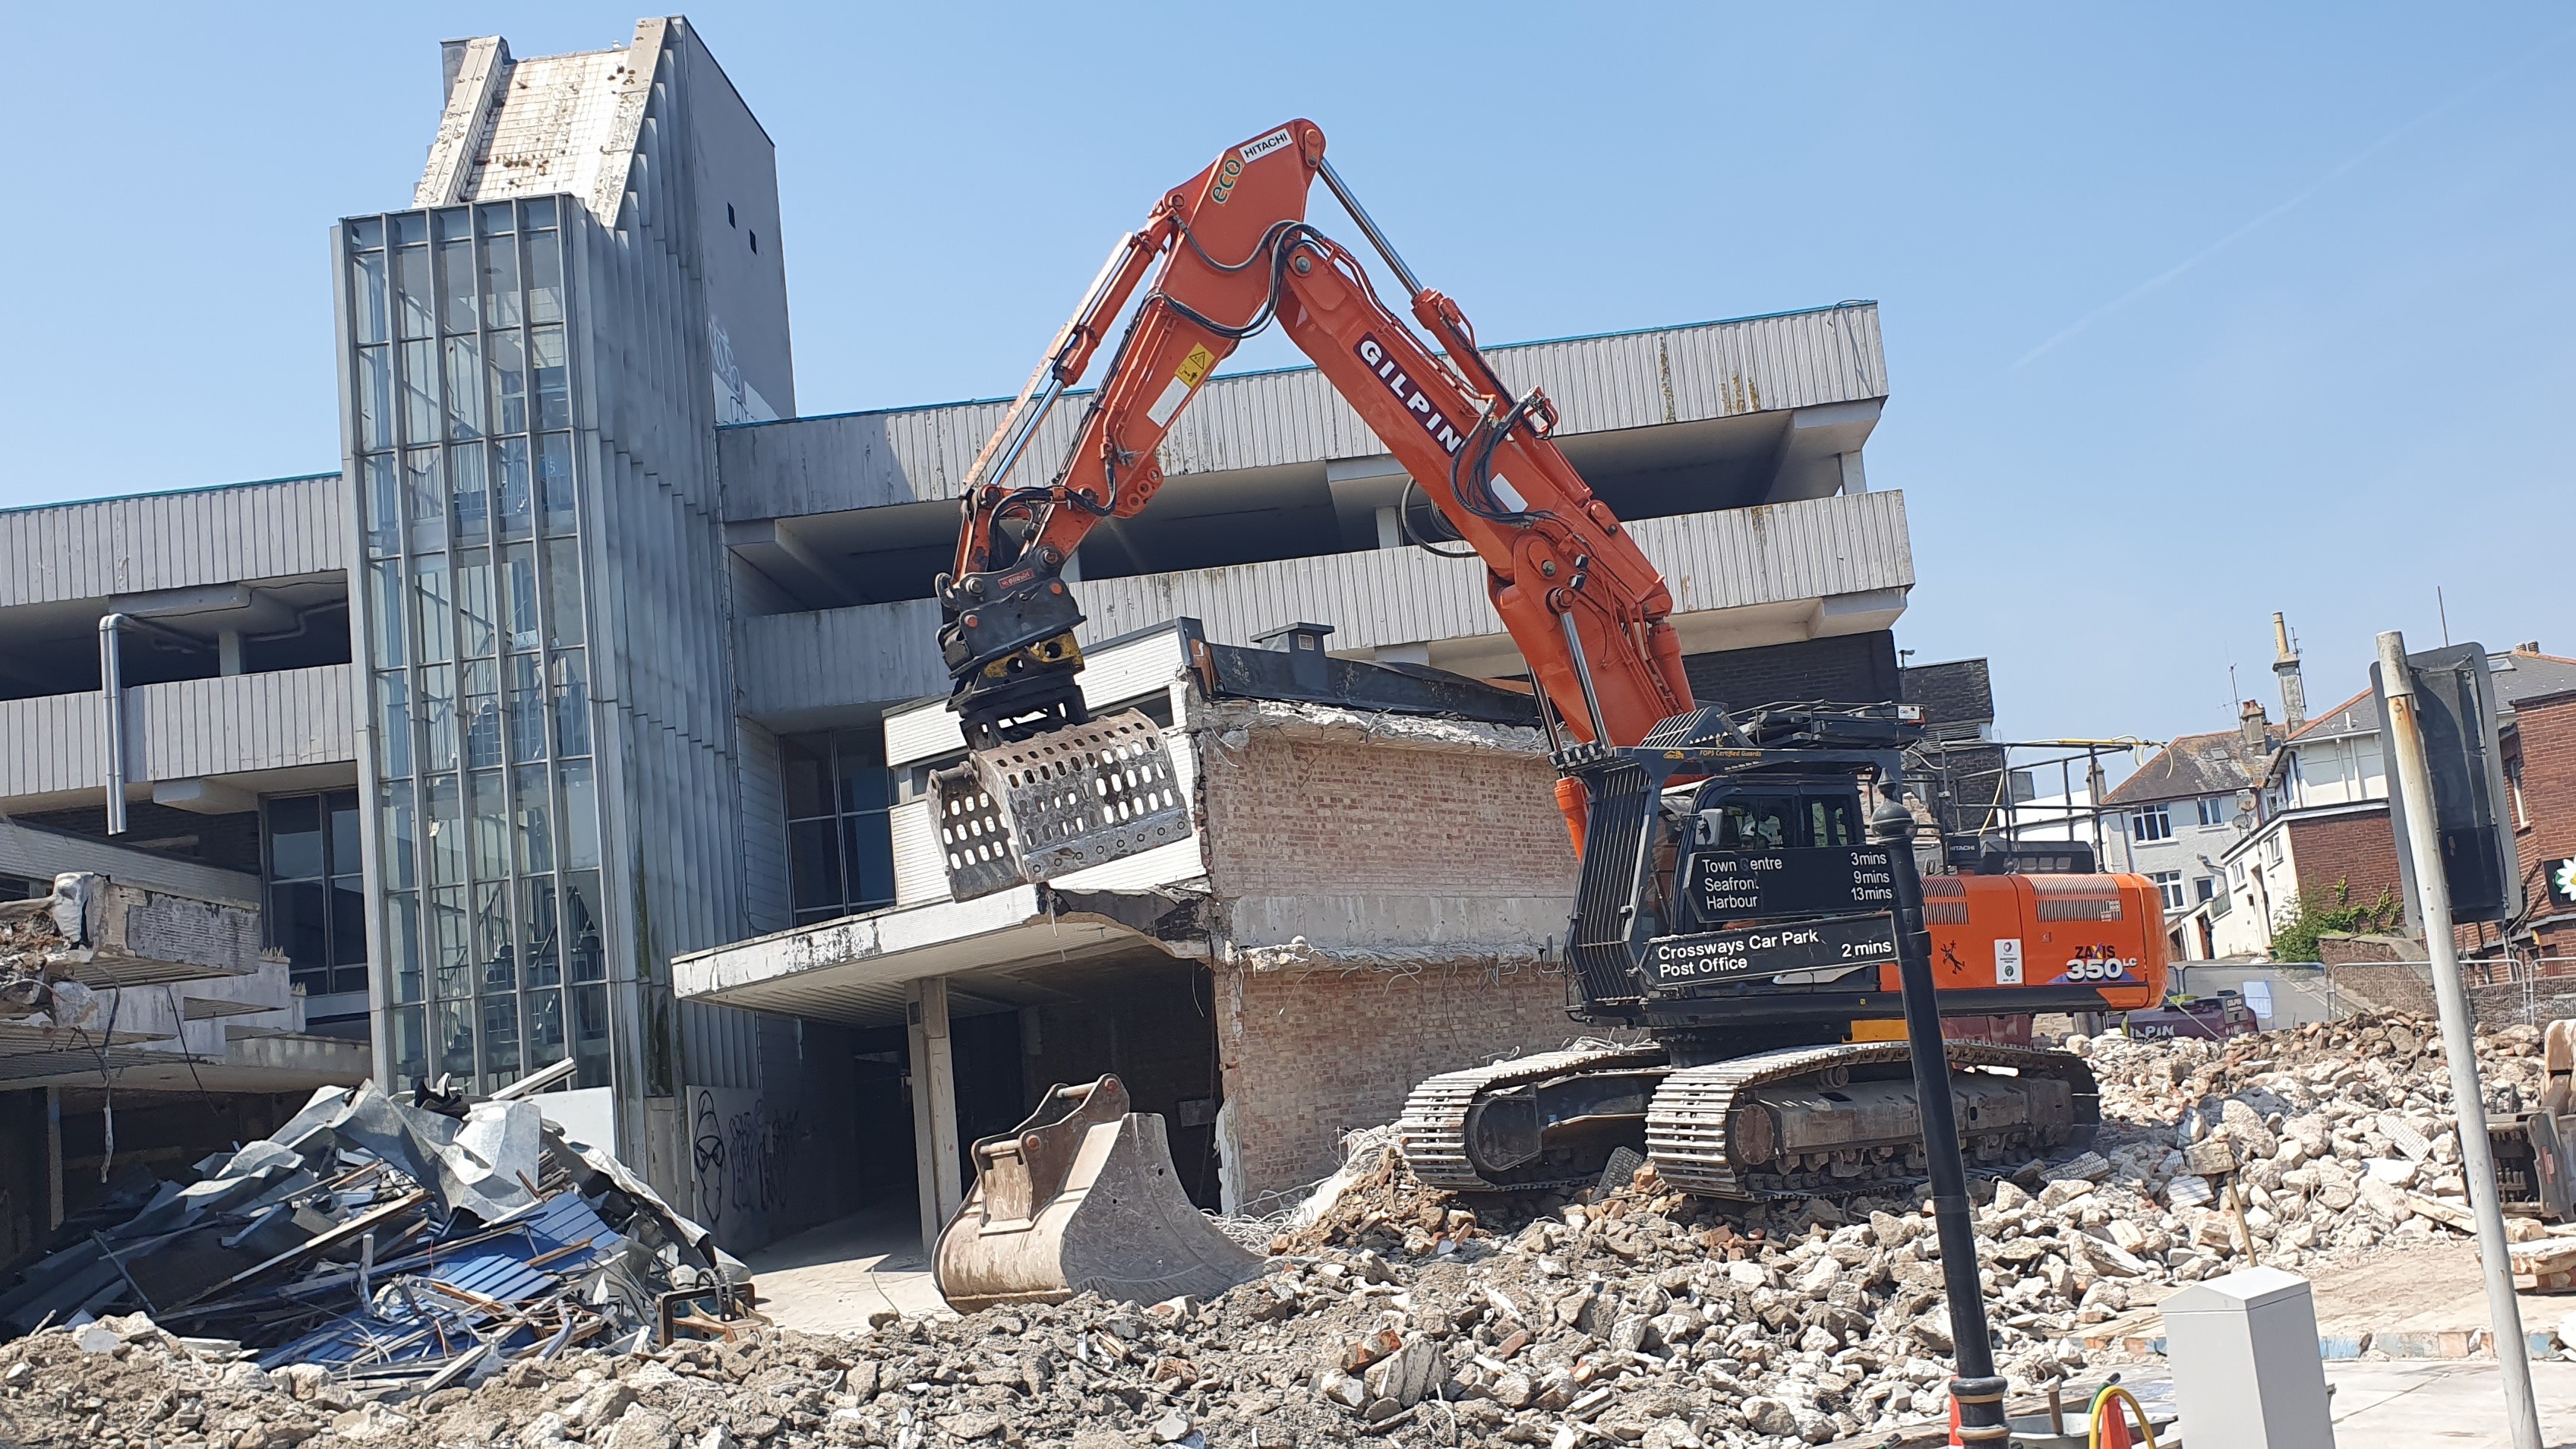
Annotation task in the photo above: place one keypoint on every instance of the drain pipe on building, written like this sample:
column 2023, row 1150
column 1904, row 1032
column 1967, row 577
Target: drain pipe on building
column 111, row 703
column 2477, row 1155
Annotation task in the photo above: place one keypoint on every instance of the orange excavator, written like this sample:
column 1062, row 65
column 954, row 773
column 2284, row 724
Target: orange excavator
column 1731, row 915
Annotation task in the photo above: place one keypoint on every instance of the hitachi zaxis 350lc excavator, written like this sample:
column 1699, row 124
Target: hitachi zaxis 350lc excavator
column 1769, row 1064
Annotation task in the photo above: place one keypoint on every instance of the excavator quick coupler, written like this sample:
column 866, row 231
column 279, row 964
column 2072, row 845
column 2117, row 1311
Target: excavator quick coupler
column 1045, row 789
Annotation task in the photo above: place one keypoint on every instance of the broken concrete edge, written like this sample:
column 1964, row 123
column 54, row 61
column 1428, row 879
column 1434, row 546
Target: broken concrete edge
column 1307, row 959
column 1216, row 719
column 1148, row 914
column 108, row 934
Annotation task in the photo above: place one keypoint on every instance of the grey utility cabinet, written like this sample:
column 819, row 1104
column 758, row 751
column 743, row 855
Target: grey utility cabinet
column 2247, row 1371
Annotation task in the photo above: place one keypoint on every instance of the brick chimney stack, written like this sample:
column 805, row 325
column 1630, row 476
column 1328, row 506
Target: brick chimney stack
column 2285, row 667
column 2253, row 727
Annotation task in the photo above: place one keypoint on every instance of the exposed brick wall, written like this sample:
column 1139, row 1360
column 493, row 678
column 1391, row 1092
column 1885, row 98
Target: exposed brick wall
column 1290, row 814
column 1310, row 1055
column 2545, row 732
column 2359, row 851
column 1853, row 668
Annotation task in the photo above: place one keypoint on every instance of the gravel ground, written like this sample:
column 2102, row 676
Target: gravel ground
column 1405, row 1316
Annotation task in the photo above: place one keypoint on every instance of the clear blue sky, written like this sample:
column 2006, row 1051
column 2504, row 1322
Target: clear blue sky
column 2189, row 317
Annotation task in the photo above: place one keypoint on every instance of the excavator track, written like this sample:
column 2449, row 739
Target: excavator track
column 1692, row 1122
column 1433, row 1129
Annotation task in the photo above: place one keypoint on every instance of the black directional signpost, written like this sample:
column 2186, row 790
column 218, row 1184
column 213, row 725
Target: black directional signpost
column 1734, row 884
column 1777, row 948
column 1825, row 907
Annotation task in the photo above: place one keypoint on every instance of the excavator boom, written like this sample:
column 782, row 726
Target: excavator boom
column 1582, row 601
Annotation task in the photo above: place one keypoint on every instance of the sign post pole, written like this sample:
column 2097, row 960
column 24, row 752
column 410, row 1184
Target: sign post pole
column 1976, row 1392
column 2477, row 1155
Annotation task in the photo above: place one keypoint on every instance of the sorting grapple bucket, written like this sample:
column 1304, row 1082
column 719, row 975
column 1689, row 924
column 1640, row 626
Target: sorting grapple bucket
column 1058, row 802
column 1082, row 1198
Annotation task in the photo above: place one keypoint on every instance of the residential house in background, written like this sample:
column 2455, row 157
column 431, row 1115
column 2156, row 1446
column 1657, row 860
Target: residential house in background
column 2322, row 833
column 2538, row 692
column 2175, row 820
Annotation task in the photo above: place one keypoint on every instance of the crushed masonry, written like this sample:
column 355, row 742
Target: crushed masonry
column 1393, row 1314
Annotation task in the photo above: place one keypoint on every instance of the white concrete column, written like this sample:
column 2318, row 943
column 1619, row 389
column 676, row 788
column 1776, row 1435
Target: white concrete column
column 934, row 1105
column 228, row 645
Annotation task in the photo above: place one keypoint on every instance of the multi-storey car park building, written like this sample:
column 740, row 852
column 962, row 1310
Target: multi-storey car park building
column 594, row 656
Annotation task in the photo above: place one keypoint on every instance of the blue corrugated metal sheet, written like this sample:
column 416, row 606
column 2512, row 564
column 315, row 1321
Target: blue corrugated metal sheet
column 497, row 1270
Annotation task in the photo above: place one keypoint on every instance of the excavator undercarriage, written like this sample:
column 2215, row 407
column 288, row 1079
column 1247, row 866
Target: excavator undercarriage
column 1816, row 1121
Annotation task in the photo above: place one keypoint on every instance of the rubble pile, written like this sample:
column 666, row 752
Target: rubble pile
column 1396, row 1314
column 2341, row 1135
column 385, row 1243
column 36, row 965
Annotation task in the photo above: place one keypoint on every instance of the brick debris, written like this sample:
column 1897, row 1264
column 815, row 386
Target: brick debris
column 1405, row 1316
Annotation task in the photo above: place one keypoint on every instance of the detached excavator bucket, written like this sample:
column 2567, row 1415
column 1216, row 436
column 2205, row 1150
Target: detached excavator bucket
column 1058, row 802
column 1082, row 1198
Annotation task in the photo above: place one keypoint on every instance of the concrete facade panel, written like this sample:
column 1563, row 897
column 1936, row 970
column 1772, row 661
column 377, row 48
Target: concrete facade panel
column 233, row 724
column 1269, row 419
column 172, row 540
column 1732, row 559
column 785, row 664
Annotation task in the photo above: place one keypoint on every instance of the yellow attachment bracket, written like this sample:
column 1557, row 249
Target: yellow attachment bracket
column 1059, row 650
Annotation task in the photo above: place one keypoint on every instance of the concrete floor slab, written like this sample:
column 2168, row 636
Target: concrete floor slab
column 828, row 1279
column 2424, row 1301
column 2455, row 1405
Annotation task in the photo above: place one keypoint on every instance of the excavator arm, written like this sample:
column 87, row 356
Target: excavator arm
column 1582, row 601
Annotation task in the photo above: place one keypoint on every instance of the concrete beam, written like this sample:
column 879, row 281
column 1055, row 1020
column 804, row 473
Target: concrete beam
column 205, row 797
column 773, row 546
column 1821, row 454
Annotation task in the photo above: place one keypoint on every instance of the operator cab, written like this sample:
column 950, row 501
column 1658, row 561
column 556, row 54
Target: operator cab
column 1760, row 814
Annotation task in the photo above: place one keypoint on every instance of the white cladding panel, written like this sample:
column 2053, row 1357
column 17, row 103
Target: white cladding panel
column 1269, row 419
column 181, row 730
column 1113, row 676
column 136, row 545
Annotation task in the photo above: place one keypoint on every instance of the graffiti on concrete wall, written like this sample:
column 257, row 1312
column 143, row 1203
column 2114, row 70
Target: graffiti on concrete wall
column 741, row 1148
column 708, row 1160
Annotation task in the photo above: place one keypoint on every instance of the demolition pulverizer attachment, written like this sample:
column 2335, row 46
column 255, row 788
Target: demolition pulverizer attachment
column 1059, row 802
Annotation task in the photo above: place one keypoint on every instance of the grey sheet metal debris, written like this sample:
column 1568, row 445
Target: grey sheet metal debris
column 438, row 1240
